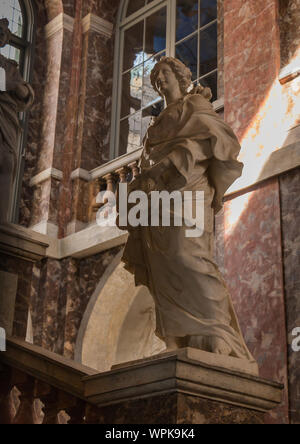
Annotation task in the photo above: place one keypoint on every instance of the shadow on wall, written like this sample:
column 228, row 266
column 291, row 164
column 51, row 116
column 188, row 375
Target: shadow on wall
column 119, row 323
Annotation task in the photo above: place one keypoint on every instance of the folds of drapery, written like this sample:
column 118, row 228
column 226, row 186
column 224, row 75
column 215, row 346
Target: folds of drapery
column 188, row 148
column 11, row 104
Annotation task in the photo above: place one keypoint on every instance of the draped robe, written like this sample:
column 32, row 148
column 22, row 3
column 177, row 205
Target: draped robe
column 10, row 105
column 188, row 148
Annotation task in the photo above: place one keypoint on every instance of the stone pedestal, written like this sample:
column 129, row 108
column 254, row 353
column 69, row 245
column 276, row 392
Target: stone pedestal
column 20, row 248
column 8, row 291
column 183, row 387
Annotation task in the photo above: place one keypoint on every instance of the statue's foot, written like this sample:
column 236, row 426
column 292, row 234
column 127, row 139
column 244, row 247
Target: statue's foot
column 219, row 346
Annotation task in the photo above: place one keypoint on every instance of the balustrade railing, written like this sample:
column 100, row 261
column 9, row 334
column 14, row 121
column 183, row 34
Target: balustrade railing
column 122, row 169
column 40, row 387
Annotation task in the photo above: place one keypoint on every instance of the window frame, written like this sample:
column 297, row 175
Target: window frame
column 124, row 23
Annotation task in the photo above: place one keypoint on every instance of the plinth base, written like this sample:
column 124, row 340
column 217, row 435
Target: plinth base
column 182, row 387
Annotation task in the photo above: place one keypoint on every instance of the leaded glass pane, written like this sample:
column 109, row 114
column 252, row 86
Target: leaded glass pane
column 156, row 29
column 187, row 52
column 130, row 133
column 133, row 46
column 145, row 42
column 11, row 53
column 187, row 13
column 208, row 10
column 11, row 10
column 208, row 49
column 149, row 95
column 135, row 5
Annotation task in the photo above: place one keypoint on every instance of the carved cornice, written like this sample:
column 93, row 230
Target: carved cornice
column 45, row 175
column 62, row 21
column 92, row 22
column 80, row 173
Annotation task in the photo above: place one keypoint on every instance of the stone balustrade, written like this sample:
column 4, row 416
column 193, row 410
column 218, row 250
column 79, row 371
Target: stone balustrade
column 107, row 177
column 40, row 387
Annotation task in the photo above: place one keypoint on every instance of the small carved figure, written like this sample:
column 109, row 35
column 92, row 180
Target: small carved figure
column 187, row 148
column 16, row 97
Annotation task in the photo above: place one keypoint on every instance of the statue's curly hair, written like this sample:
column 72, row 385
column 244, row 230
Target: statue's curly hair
column 183, row 75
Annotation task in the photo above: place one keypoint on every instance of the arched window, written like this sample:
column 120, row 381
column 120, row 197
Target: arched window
column 148, row 30
column 20, row 15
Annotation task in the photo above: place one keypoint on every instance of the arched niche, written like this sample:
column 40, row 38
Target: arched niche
column 119, row 323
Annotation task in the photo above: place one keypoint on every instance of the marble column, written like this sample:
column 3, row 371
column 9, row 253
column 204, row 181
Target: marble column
column 46, row 182
column 92, row 142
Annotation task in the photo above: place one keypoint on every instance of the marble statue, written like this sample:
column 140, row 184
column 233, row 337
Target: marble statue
column 187, row 147
column 15, row 96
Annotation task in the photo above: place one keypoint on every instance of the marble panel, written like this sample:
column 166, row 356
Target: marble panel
column 253, row 272
column 290, row 210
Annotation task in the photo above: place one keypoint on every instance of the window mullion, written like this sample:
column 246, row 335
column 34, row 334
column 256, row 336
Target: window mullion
column 199, row 40
column 118, row 97
column 171, row 28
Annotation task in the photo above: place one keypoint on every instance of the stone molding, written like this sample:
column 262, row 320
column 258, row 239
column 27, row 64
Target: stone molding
column 80, row 173
column 279, row 162
column 8, row 286
column 289, row 73
column 45, row 175
column 47, row 228
column 62, row 21
column 40, row 241
column 22, row 242
column 48, row 367
column 177, row 372
column 91, row 241
column 183, row 371
column 92, row 22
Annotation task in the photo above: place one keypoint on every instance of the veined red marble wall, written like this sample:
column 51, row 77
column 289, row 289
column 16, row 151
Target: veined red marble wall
column 220, row 48
column 290, row 212
column 107, row 9
column 60, row 292
column 251, row 58
column 252, row 257
column 254, row 273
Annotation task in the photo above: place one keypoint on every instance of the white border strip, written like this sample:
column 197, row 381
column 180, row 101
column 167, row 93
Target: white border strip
column 92, row 22
column 62, row 21
column 80, row 173
column 45, row 175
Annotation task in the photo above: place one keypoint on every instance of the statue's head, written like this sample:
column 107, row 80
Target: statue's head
column 182, row 73
column 5, row 33
column 183, row 76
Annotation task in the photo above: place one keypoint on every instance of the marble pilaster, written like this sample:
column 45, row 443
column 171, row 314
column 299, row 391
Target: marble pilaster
column 94, row 110
column 290, row 212
column 253, row 272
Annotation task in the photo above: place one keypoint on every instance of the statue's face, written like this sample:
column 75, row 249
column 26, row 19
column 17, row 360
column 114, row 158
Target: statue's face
column 4, row 36
column 166, row 80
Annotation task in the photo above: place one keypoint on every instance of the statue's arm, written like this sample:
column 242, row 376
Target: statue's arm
column 14, row 81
